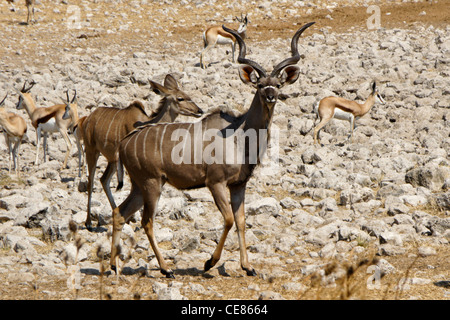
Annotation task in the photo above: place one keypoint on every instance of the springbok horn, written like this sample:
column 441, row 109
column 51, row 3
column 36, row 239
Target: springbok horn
column 74, row 96
column 23, row 88
column 3, row 101
column 29, row 88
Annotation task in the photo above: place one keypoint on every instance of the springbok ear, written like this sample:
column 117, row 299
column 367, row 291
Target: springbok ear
column 3, row 101
column 247, row 74
column 289, row 75
column 170, row 82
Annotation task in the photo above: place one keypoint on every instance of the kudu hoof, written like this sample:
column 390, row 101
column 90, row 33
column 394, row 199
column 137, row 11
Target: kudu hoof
column 208, row 265
column 168, row 274
column 251, row 272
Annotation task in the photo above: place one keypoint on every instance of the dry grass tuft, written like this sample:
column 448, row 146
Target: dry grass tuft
column 341, row 280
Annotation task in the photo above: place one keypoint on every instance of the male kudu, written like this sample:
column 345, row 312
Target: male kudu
column 105, row 127
column 151, row 156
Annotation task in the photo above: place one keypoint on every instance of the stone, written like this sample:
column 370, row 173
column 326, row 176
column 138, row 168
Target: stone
column 270, row 295
column 432, row 177
column 170, row 293
column 265, row 206
column 425, row 251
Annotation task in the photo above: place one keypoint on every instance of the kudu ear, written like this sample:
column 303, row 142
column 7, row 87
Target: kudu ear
column 248, row 74
column 158, row 89
column 170, row 82
column 289, row 75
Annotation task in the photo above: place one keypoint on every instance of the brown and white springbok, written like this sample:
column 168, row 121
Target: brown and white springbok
column 217, row 35
column 343, row 109
column 14, row 127
column 49, row 119
column 219, row 152
column 30, row 9
column 105, row 127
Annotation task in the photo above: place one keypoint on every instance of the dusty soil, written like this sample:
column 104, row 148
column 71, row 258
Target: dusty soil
column 183, row 27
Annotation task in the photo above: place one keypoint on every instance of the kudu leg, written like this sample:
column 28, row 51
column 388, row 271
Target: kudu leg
column 106, row 181
column 120, row 215
column 91, row 159
column 151, row 198
column 119, row 175
column 237, row 195
column 219, row 192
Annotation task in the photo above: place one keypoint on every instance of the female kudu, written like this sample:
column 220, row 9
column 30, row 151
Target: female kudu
column 151, row 156
column 103, row 129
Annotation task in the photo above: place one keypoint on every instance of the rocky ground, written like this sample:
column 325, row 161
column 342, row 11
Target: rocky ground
column 364, row 220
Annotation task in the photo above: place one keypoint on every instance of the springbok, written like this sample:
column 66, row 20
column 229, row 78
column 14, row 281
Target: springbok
column 30, row 9
column 153, row 156
column 49, row 119
column 14, row 127
column 217, row 35
column 343, row 109
column 105, row 127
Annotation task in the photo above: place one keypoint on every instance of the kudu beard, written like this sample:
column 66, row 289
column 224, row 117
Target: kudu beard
column 227, row 146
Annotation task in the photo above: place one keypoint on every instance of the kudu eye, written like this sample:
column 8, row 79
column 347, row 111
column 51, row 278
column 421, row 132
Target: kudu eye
column 180, row 99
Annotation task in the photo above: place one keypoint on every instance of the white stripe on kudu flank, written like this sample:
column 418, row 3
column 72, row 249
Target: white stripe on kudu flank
column 144, row 150
column 161, row 144
column 109, row 127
